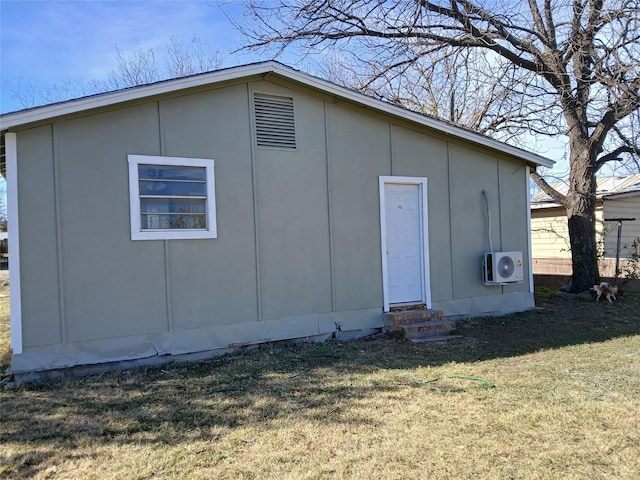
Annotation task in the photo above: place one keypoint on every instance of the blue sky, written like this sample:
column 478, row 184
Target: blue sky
column 49, row 43
column 44, row 43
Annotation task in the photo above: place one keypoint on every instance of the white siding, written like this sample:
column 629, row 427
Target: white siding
column 625, row 207
column 549, row 233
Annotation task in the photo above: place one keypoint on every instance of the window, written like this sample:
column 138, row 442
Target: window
column 171, row 198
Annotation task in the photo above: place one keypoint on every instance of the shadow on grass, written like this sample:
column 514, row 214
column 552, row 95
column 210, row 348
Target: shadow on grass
column 44, row 423
column 556, row 322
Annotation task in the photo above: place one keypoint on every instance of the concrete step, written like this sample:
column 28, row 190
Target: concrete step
column 429, row 329
column 420, row 325
column 438, row 338
column 411, row 316
column 408, row 306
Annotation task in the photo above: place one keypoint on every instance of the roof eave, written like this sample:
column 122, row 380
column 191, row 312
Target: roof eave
column 631, row 193
column 443, row 127
column 68, row 107
column 39, row 114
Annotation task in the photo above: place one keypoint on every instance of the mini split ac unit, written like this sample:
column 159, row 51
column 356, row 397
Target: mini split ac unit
column 502, row 267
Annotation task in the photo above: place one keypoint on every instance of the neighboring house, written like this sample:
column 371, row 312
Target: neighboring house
column 616, row 197
column 248, row 205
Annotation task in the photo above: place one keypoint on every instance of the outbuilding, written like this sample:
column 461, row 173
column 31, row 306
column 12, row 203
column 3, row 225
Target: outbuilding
column 249, row 205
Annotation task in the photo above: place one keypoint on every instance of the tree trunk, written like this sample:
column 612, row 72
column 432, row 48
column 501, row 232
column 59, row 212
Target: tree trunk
column 581, row 218
column 584, row 258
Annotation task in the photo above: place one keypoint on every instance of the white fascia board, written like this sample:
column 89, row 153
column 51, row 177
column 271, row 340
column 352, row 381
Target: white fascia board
column 37, row 114
column 602, row 196
column 233, row 73
column 430, row 122
column 613, row 196
column 541, row 205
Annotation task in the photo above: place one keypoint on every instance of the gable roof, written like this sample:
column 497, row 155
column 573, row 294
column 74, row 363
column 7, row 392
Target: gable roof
column 616, row 186
column 264, row 69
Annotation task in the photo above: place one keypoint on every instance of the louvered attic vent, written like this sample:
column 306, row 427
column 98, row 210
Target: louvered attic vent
column 275, row 126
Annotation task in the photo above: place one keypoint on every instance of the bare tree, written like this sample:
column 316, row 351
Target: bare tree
column 551, row 67
column 460, row 88
column 138, row 67
column 30, row 95
column 185, row 59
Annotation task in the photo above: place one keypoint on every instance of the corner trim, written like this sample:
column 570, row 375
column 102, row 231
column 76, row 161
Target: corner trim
column 15, row 299
column 530, row 255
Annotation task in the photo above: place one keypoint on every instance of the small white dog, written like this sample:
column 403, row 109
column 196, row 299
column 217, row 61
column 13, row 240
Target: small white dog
column 605, row 289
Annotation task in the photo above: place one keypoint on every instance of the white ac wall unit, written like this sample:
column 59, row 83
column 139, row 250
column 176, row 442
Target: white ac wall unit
column 502, row 267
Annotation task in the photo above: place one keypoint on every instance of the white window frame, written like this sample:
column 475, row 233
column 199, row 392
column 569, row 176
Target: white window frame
column 137, row 233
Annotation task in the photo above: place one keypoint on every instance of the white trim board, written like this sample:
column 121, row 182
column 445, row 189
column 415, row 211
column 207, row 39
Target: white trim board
column 426, row 282
column 530, row 255
column 15, row 299
column 137, row 233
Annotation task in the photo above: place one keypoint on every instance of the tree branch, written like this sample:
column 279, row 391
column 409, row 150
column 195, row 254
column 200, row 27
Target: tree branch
column 548, row 189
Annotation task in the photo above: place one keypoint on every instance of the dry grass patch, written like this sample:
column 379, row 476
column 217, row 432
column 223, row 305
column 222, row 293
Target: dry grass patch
column 5, row 349
column 552, row 393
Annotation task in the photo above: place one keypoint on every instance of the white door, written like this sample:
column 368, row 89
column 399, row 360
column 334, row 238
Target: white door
column 405, row 258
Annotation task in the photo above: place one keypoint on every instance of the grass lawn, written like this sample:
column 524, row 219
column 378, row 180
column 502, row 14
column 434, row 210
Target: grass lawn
column 551, row 393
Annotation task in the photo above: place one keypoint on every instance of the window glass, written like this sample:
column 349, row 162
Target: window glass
column 172, row 188
column 180, row 205
column 171, row 172
column 167, row 221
